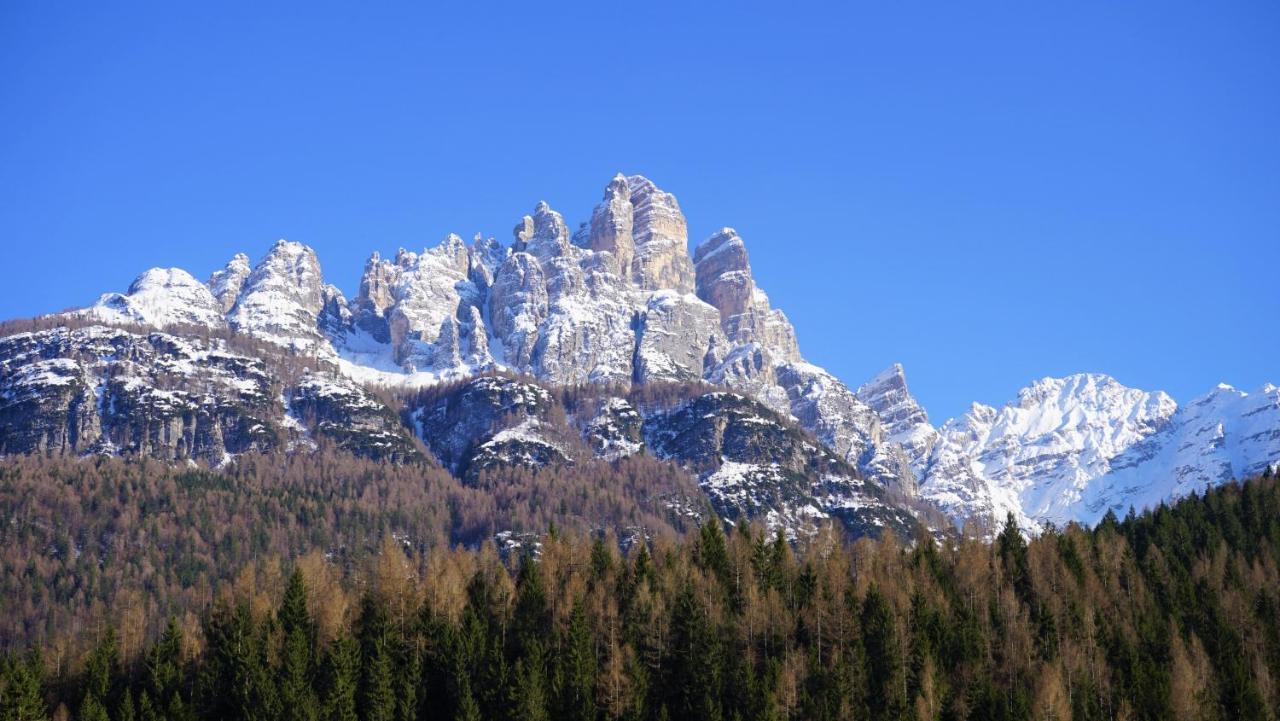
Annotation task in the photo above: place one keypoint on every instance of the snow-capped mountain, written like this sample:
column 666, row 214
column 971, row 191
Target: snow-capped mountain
column 1070, row 449
column 621, row 301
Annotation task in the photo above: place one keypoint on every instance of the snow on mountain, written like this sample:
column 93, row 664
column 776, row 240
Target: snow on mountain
column 281, row 300
column 904, row 421
column 1070, row 448
column 622, row 301
column 1223, row 435
column 160, row 297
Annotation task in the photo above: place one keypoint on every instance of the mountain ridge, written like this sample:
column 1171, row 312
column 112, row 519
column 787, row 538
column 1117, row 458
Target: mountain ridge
column 622, row 300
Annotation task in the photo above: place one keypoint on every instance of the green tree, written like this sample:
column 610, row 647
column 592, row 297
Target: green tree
column 21, row 698
column 377, row 678
column 294, row 677
column 576, row 670
column 886, row 697
column 341, row 680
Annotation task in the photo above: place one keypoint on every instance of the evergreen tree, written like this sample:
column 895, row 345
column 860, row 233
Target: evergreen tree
column 377, row 678
column 529, row 695
column 164, row 673
column 886, row 697
column 341, row 680
column 468, row 710
column 21, row 695
column 576, row 670
column 297, row 698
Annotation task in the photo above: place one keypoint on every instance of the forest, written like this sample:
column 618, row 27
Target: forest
column 1173, row 613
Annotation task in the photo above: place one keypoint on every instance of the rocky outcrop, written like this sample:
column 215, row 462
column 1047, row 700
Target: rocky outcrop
column 676, row 334
column 661, row 239
column 225, row 284
column 754, row 465
column 456, row 422
column 337, row 411
column 101, row 390
column 611, row 227
column 107, row 390
column 282, row 298
column 904, row 423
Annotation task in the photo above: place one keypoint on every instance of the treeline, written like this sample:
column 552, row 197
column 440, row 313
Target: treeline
column 1172, row 614
column 128, row 542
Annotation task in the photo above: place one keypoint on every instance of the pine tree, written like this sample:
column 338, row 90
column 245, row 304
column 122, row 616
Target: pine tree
column 885, row 692
column 468, row 710
column 377, row 678
column 126, row 710
column 101, row 669
column 576, row 670
column 408, row 681
column 341, row 680
column 297, row 698
column 92, row 709
column 164, row 672
column 529, row 696
column 21, row 696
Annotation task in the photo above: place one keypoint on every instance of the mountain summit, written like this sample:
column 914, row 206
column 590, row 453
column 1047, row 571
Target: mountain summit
column 621, row 301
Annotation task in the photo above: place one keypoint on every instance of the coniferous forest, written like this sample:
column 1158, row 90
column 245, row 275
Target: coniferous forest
column 1171, row 614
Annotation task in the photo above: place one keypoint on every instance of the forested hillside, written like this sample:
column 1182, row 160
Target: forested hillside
column 101, row 541
column 1174, row 613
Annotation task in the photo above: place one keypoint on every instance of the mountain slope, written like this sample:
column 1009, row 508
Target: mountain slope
column 620, row 301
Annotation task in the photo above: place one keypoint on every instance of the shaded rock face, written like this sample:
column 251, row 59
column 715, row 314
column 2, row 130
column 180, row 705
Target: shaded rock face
column 106, row 390
column 455, row 425
column 750, row 461
column 753, row 465
column 615, row 430
column 340, row 412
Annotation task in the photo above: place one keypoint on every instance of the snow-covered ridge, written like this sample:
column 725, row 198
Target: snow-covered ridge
column 622, row 301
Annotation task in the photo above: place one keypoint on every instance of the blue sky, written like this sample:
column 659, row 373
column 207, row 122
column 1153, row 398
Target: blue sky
column 986, row 192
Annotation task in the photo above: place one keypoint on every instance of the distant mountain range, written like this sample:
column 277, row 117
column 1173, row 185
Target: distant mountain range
column 270, row 357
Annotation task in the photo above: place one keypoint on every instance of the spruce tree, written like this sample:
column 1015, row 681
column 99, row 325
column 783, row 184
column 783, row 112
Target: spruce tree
column 576, row 670
column 377, row 678
column 21, row 695
column 297, row 698
column 885, row 694
column 341, row 680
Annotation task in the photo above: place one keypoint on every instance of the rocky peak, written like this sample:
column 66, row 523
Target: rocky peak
column 376, row 295
column 724, row 275
column 610, row 230
column 543, row 235
column 903, row 419
column 1038, row 455
column 661, row 239
column 282, row 297
column 225, row 284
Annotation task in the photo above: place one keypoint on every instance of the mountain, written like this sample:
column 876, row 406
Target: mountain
column 1074, row 448
column 618, row 303
column 621, row 300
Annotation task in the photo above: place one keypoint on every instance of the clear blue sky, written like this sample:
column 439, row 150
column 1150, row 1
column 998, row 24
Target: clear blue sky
column 986, row 192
